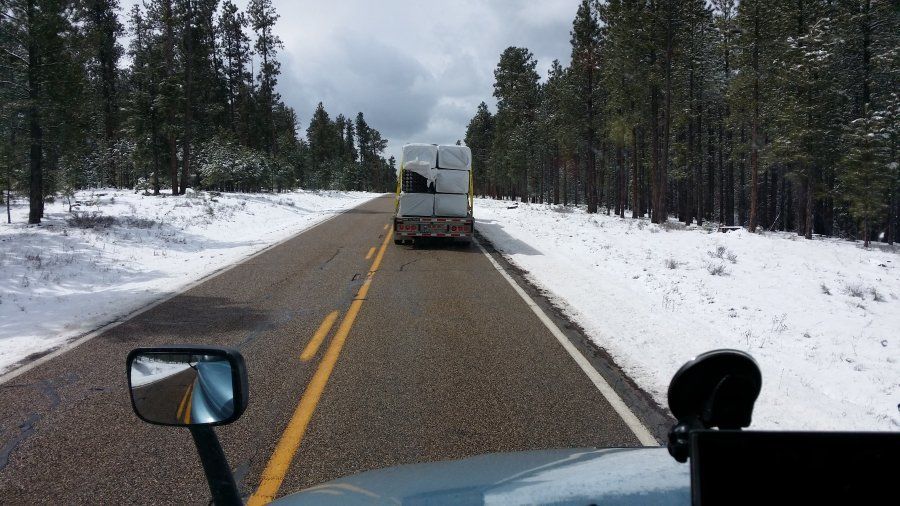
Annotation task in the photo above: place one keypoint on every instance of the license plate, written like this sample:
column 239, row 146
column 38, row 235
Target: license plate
column 424, row 229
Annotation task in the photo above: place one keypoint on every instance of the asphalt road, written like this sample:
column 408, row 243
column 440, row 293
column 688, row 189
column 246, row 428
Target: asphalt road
column 164, row 401
column 434, row 357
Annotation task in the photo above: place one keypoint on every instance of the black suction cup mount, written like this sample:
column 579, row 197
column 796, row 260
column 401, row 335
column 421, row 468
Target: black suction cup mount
column 715, row 389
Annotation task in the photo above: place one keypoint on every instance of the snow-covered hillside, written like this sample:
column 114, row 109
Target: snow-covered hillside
column 821, row 317
column 123, row 250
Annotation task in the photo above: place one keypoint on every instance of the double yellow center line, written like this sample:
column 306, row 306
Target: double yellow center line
column 280, row 461
column 186, row 401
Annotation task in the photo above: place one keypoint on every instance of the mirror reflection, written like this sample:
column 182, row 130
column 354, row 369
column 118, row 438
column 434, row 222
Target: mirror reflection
column 182, row 388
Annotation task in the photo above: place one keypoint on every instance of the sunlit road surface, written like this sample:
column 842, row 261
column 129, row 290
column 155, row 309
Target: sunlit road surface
column 361, row 354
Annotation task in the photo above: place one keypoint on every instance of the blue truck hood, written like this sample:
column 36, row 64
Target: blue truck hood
column 571, row 476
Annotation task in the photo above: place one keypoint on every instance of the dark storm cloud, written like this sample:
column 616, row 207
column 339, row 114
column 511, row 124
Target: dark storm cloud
column 417, row 69
column 357, row 73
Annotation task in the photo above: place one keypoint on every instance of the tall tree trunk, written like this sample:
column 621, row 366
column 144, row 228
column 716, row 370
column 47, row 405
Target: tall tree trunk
column 590, row 193
column 698, row 160
column 36, row 174
column 772, row 218
column 556, row 163
column 170, row 61
column 635, row 177
column 809, row 209
column 12, row 145
column 188, row 95
column 654, row 156
column 754, row 134
column 742, row 183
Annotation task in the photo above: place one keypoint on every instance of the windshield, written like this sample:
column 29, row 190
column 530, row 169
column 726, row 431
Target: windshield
column 433, row 231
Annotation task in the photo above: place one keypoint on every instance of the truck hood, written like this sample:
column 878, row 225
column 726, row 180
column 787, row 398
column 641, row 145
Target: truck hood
column 570, row 476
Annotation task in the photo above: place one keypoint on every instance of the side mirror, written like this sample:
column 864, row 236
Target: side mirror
column 187, row 386
column 716, row 389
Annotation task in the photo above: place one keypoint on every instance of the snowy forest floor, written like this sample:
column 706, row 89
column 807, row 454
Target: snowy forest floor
column 120, row 251
column 821, row 317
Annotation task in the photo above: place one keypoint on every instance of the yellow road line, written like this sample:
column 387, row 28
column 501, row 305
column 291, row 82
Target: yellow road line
column 184, row 398
column 280, row 461
column 370, row 253
column 187, row 409
column 323, row 330
column 386, row 225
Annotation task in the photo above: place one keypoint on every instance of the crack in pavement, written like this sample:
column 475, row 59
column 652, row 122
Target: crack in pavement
column 326, row 262
column 26, row 428
column 403, row 266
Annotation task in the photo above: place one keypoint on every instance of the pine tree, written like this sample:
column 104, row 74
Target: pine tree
column 585, row 75
column 479, row 138
column 866, row 179
column 262, row 19
column 104, row 29
column 235, row 46
column 42, row 77
column 517, row 91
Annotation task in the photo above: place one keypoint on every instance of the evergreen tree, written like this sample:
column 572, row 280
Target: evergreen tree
column 517, row 91
column 262, row 19
column 479, row 138
column 585, row 75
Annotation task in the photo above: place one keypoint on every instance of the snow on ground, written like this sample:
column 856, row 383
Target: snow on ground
column 146, row 370
column 62, row 279
column 821, row 317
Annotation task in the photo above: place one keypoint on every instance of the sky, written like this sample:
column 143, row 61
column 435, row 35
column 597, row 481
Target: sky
column 417, row 70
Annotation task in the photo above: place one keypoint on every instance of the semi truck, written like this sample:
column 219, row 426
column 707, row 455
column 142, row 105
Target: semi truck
column 435, row 193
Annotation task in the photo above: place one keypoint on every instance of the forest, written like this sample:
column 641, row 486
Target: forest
column 765, row 114
column 173, row 94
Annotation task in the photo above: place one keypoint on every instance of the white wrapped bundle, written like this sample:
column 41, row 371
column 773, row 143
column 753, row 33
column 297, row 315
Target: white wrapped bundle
column 423, row 169
column 454, row 157
column 447, row 204
column 452, row 181
column 426, row 153
column 416, row 204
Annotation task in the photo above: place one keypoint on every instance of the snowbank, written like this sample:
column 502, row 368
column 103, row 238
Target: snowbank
column 62, row 279
column 144, row 372
column 821, row 317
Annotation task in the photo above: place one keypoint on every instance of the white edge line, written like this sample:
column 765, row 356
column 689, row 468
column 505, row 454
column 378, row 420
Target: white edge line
column 118, row 320
column 640, row 432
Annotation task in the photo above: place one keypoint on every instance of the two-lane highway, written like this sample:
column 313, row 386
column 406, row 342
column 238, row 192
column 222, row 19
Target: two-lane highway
column 361, row 354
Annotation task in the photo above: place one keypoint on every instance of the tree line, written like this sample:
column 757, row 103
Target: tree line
column 191, row 102
column 780, row 115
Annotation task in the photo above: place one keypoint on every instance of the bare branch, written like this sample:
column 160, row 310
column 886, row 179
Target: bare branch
column 14, row 55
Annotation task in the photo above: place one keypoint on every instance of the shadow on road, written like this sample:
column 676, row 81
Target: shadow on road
column 504, row 242
column 443, row 243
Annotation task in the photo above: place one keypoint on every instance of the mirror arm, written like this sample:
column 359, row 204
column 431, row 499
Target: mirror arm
column 215, row 465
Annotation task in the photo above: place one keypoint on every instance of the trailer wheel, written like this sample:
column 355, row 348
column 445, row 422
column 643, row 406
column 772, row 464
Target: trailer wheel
column 398, row 241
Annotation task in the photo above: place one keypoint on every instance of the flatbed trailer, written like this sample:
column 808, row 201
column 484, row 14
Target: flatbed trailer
column 408, row 228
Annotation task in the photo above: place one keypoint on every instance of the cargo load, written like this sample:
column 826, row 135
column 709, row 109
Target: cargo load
column 434, row 193
column 452, row 181
column 451, row 204
column 454, row 157
column 421, row 168
column 414, row 183
column 426, row 153
column 416, row 204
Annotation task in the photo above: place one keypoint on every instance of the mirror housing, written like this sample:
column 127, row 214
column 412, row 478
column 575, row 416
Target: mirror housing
column 187, row 386
column 715, row 389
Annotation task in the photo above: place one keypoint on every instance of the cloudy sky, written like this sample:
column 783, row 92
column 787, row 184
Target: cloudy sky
column 417, row 69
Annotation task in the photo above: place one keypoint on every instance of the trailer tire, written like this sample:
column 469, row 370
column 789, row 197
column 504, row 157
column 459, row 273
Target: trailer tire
column 398, row 241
